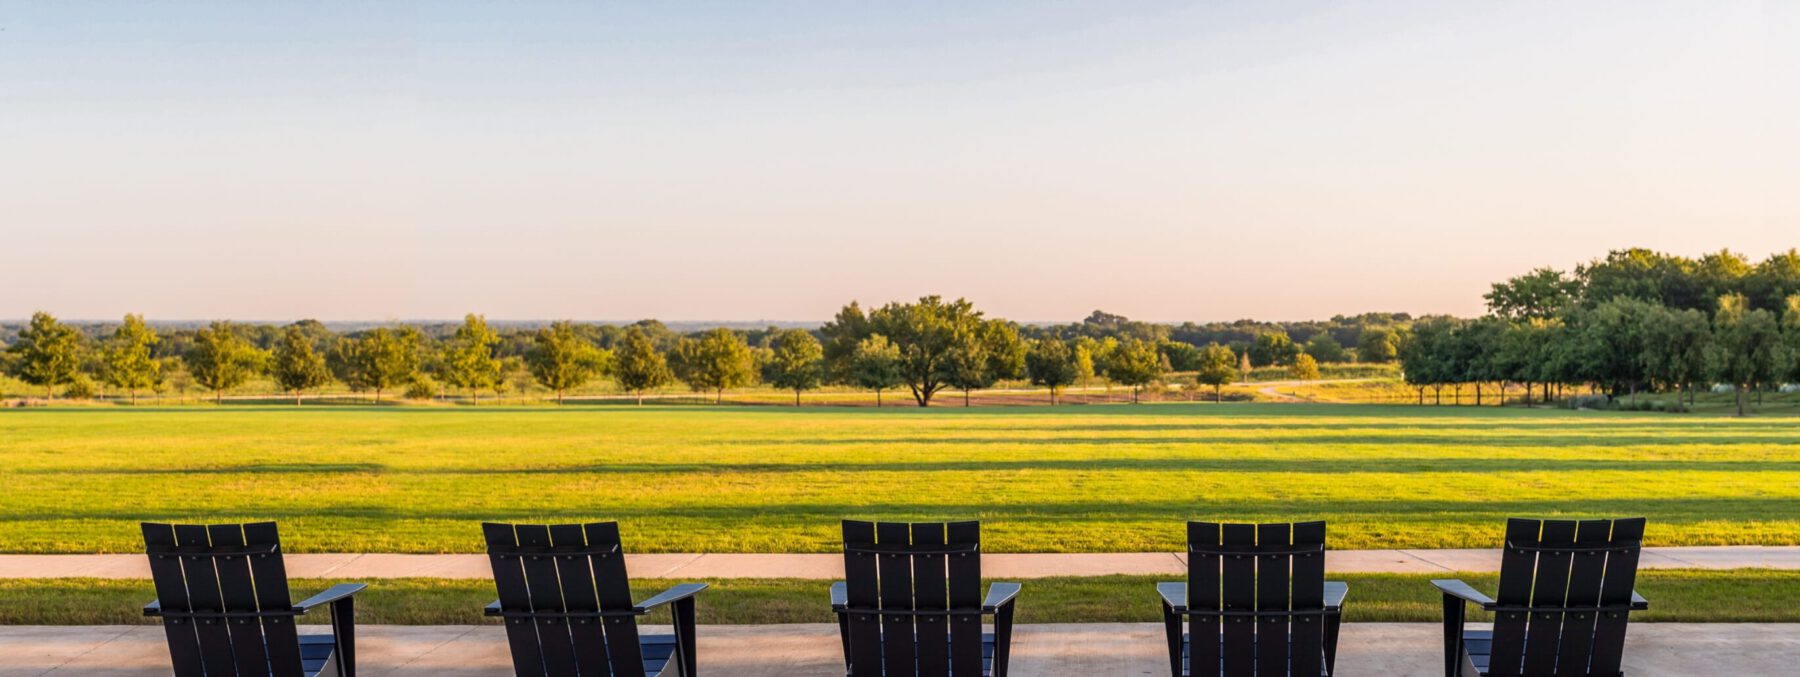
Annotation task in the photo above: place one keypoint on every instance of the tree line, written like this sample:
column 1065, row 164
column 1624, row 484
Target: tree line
column 924, row 347
column 1635, row 320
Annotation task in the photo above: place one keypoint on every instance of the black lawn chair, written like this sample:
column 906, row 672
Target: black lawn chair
column 1565, row 597
column 1256, row 602
column 222, row 592
column 567, row 603
column 911, row 603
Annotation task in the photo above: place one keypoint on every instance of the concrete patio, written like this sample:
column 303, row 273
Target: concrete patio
column 831, row 566
column 1084, row 650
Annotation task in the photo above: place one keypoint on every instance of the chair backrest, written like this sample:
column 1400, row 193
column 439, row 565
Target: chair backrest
column 223, row 590
column 1565, row 592
column 1256, row 591
column 565, row 598
column 913, row 594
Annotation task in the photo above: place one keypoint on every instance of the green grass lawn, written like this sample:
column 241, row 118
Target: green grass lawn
column 768, row 479
column 1675, row 596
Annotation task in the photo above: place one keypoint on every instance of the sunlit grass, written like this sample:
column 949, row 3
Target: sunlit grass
column 755, row 479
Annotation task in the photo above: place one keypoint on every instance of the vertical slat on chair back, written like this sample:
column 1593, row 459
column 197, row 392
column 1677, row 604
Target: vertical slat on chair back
column 1308, row 630
column 1203, row 593
column 1615, row 590
column 545, row 573
column 1275, row 570
column 1566, row 583
column 220, row 569
column 903, row 568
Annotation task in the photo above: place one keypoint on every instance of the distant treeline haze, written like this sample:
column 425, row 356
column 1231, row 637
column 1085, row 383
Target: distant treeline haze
column 1634, row 320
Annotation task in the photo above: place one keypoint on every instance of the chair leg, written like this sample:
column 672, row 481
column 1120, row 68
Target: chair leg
column 1454, row 612
column 686, row 641
column 1332, row 623
column 1003, row 625
column 1172, row 628
column 844, row 638
column 343, row 635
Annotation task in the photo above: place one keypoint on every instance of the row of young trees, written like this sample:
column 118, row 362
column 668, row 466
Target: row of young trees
column 301, row 358
column 926, row 347
column 1636, row 320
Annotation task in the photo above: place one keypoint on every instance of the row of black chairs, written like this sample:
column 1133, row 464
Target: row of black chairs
column 1255, row 603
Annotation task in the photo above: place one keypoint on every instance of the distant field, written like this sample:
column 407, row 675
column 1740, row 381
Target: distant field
column 774, row 479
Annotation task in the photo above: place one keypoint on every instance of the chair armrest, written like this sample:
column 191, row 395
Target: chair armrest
column 1174, row 595
column 840, row 595
column 1335, row 591
column 1638, row 603
column 675, row 594
column 492, row 609
column 154, row 608
column 1462, row 591
column 999, row 595
column 332, row 594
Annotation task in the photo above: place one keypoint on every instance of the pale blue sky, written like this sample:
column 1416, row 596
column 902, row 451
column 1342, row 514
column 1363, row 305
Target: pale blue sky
column 772, row 160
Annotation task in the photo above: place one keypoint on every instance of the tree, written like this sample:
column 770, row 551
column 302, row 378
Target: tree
column 1273, row 348
column 1790, row 325
column 1181, row 356
column 1304, row 368
column 1539, row 295
column 1217, row 367
column 638, row 365
column 1519, row 355
column 876, row 365
column 984, row 353
column 1426, row 359
column 1323, row 348
column 1136, row 365
column 469, row 361
column 383, row 358
column 1744, row 346
column 797, row 362
column 1770, row 283
column 1677, row 349
column 1377, row 345
column 1611, row 343
column 1478, row 354
column 48, row 353
column 1244, row 366
column 926, row 334
column 1721, row 273
column 717, row 361
column 516, row 376
column 295, row 365
column 1051, row 363
column 561, row 358
column 843, row 336
column 1644, row 275
column 1084, row 360
column 129, row 357
column 221, row 359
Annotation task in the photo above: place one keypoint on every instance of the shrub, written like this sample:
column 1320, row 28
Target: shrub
column 421, row 388
column 1589, row 402
column 82, row 388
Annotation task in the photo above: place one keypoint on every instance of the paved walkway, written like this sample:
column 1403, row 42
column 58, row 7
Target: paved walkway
column 1085, row 650
column 830, row 566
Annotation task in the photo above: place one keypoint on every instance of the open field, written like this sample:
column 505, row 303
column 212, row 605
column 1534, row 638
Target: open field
column 1675, row 596
column 767, row 479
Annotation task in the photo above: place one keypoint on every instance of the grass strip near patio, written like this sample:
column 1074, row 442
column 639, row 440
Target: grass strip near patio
column 1676, row 595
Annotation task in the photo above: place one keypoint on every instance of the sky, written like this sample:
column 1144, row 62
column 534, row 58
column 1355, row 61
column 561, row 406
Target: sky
column 774, row 160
